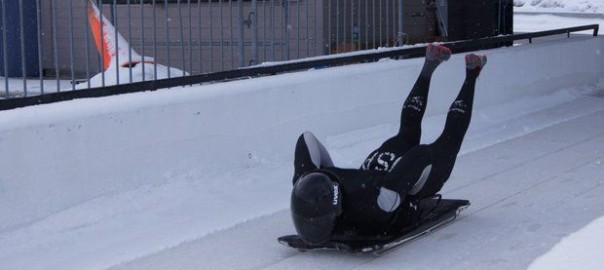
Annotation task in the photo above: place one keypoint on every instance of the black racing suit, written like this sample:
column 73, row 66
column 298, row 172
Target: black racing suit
column 383, row 195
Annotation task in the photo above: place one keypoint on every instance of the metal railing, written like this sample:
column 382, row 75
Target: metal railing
column 367, row 56
column 49, row 46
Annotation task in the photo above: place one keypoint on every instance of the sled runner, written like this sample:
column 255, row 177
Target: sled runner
column 438, row 215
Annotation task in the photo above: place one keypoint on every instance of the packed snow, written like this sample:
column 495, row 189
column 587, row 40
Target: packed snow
column 541, row 15
column 577, row 6
column 580, row 250
column 199, row 178
column 34, row 87
column 127, row 186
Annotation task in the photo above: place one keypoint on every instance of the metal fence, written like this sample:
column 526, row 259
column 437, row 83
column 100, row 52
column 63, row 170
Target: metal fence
column 265, row 70
column 49, row 45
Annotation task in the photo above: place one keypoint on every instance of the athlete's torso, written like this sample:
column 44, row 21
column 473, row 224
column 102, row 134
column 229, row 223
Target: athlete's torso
column 361, row 212
column 368, row 207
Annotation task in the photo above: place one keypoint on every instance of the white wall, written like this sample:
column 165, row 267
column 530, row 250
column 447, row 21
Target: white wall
column 56, row 156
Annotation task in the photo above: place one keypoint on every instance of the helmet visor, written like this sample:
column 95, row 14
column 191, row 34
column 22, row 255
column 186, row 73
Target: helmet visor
column 314, row 231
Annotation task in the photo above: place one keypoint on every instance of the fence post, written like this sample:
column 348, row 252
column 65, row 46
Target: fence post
column 329, row 37
column 130, row 40
column 211, row 42
column 114, row 19
column 287, row 29
column 387, row 15
column 240, row 30
column 220, row 5
column 167, row 25
column 86, row 46
column 55, row 43
column 154, row 40
column 22, row 35
column 400, row 23
column 182, row 36
column 71, row 47
column 5, row 48
column 272, row 33
column 337, row 26
column 254, row 20
column 199, row 35
column 40, row 65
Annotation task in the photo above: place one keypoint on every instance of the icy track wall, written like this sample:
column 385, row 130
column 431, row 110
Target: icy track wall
column 56, row 156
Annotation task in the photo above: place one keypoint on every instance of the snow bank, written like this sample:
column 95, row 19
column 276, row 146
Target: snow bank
column 541, row 15
column 533, row 22
column 59, row 155
column 580, row 6
column 580, row 250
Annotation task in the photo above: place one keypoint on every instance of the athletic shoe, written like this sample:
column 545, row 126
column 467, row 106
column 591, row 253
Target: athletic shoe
column 437, row 52
column 475, row 61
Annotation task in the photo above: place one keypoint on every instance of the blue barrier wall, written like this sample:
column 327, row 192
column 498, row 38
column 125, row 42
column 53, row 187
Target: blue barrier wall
column 18, row 60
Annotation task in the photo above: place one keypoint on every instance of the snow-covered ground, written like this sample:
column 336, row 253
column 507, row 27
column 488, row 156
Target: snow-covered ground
column 199, row 178
column 34, row 87
column 539, row 21
column 541, row 15
column 580, row 250
column 562, row 6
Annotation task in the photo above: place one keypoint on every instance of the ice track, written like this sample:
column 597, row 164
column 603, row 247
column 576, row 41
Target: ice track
column 199, row 177
column 527, row 191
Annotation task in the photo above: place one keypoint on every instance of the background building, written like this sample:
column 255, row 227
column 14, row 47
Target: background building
column 202, row 36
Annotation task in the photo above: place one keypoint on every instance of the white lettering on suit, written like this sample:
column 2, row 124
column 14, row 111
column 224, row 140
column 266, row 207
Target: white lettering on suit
column 458, row 106
column 381, row 161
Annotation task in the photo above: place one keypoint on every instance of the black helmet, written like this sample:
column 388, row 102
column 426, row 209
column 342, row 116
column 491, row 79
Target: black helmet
column 315, row 205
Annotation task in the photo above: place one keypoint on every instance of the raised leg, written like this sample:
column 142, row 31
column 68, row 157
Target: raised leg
column 414, row 107
column 424, row 169
column 460, row 112
column 445, row 149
